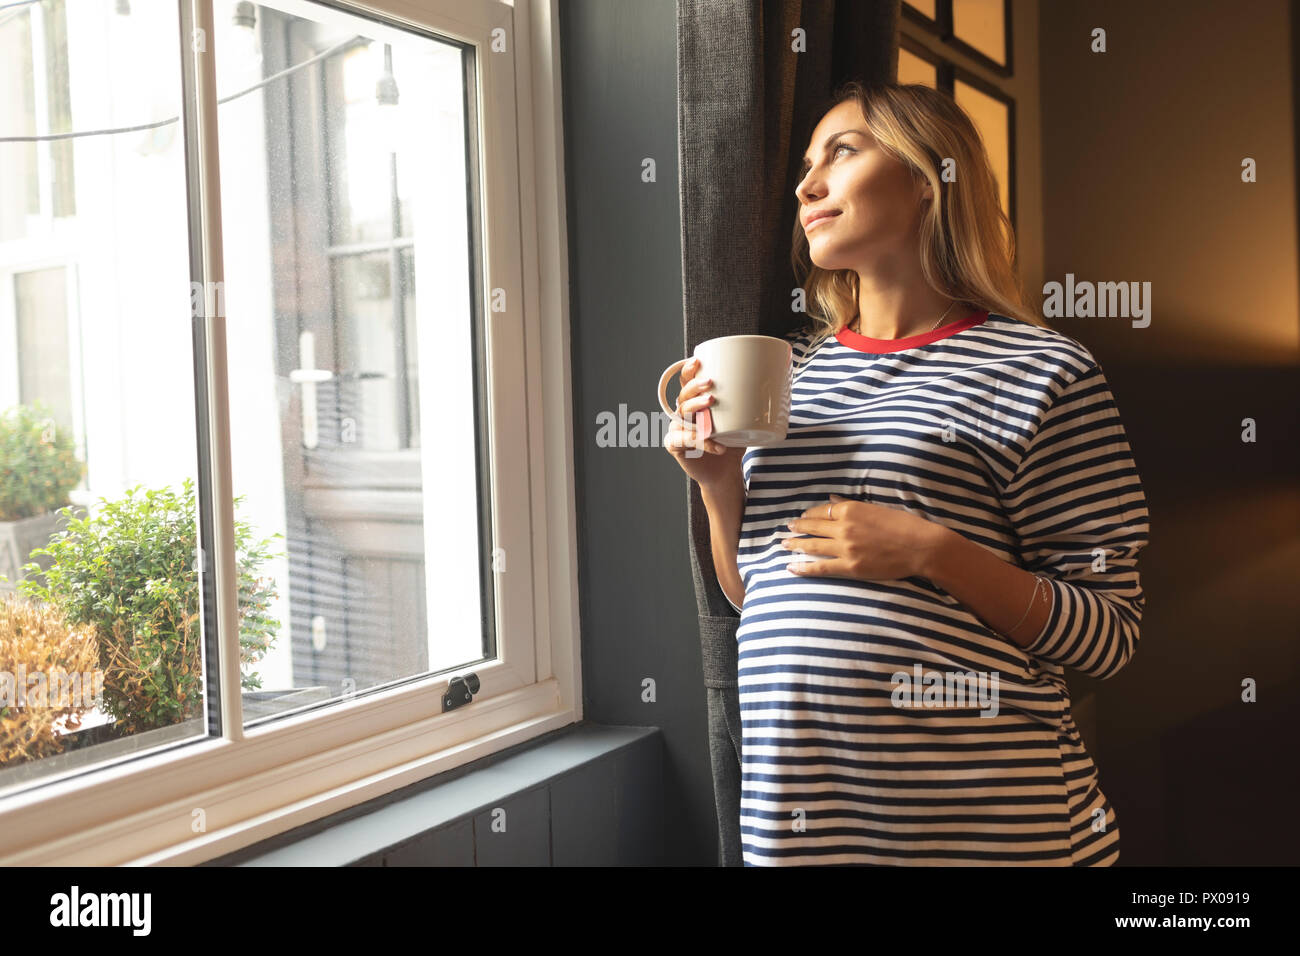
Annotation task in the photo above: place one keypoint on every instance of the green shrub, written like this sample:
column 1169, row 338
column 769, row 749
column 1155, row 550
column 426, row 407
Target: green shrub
column 38, row 463
column 130, row 570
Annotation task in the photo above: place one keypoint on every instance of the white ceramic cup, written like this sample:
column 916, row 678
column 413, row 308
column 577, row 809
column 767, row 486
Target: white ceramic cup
column 752, row 375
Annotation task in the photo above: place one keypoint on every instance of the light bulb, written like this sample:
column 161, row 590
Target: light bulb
column 246, row 46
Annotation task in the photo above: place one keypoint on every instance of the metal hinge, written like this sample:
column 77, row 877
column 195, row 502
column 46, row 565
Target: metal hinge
column 460, row 690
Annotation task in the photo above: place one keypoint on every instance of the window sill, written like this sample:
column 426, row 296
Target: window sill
column 215, row 796
column 382, row 831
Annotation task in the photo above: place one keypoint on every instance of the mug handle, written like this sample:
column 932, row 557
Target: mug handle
column 703, row 418
column 669, row 372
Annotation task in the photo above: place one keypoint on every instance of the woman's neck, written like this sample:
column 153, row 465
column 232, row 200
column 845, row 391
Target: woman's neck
column 903, row 321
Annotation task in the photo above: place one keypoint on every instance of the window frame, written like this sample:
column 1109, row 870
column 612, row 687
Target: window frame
column 252, row 783
column 942, row 27
column 932, row 40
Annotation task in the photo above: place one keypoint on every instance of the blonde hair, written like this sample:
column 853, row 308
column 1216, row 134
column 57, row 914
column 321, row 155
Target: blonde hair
column 967, row 244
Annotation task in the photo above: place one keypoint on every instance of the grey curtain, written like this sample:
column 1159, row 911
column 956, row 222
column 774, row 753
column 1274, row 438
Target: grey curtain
column 746, row 103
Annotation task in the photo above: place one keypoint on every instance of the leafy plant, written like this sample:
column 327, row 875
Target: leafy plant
column 130, row 570
column 38, row 463
column 40, row 651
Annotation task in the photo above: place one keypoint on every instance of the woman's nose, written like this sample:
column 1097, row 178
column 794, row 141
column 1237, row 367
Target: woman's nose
column 807, row 191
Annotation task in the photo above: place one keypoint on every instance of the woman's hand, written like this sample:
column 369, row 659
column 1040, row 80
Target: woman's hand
column 863, row 541
column 706, row 461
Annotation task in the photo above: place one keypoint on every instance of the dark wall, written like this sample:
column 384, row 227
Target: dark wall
column 1142, row 153
column 638, row 606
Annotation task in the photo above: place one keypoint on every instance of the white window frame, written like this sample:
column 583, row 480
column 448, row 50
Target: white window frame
column 253, row 783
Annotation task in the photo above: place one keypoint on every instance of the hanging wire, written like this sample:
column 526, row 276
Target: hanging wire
column 337, row 48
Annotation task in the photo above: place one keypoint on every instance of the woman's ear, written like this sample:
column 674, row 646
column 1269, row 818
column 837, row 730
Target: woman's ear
column 923, row 188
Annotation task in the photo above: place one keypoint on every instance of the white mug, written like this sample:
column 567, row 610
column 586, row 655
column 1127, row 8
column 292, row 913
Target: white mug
column 752, row 375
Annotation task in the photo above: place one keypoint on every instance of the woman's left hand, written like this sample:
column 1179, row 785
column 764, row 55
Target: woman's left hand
column 863, row 541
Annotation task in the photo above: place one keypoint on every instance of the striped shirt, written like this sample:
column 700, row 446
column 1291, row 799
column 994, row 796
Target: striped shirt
column 864, row 735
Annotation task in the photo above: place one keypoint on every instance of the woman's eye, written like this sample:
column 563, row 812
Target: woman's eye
column 834, row 153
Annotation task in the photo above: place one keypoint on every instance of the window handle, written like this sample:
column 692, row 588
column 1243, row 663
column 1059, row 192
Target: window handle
column 460, row 691
column 308, row 376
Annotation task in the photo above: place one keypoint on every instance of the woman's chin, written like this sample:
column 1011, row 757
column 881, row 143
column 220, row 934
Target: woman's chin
column 828, row 263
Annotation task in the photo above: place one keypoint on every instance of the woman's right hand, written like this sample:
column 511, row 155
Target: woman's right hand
column 718, row 464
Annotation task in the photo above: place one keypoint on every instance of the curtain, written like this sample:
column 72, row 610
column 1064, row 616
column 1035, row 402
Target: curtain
column 746, row 105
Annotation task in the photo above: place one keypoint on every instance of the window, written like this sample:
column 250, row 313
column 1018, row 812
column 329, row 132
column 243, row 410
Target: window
column 281, row 315
column 94, row 290
column 991, row 112
column 983, row 28
column 963, row 48
column 979, row 30
column 917, row 65
column 353, row 177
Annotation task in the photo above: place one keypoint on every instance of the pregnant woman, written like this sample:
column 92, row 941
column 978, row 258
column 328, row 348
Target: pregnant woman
column 954, row 519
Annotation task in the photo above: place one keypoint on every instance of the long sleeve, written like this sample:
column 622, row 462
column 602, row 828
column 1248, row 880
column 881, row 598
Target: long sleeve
column 1078, row 508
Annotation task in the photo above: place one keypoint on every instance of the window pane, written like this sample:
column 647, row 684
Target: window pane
column 329, row 175
column 913, row 69
column 992, row 118
column 982, row 25
column 104, row 347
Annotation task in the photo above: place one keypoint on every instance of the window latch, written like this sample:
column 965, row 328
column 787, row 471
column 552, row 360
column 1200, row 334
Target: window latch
column 460, row 690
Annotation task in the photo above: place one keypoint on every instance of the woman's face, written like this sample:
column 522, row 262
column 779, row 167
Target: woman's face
column 876, row 204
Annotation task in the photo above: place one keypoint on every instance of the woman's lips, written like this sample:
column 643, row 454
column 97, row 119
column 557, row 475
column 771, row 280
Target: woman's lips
column 819, row 220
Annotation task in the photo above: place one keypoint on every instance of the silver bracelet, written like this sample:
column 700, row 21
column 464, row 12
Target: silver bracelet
column 1037, row 581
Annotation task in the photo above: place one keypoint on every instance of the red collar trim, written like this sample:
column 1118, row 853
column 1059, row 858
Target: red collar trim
column 864, row 343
